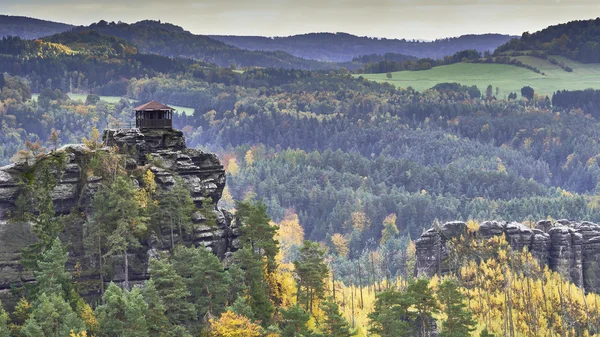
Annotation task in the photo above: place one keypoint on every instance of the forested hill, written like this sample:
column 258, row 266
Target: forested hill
column 577, row 40
column 342, row 47
column 173, row 41
column 29, row 28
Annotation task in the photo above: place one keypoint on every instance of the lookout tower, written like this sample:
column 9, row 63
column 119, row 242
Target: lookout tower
column 153, row 115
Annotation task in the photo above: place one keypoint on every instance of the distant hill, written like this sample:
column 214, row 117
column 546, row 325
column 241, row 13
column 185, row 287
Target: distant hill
column 577, row 40
column 29, row 28
column 342, row 47
column 173, row 41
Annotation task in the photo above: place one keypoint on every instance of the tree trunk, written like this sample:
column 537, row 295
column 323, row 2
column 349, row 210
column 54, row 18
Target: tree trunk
column 100, row 264
column 172, row 240
column 126, row 283
column 360, row 284
column 333, row 282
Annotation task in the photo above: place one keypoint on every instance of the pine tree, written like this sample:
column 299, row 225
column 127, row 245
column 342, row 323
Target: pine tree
column 118, row 215
column 4, row 320
column 294, row 322
column 52, row 316
column 158, row 323
column 311, row 272
column 459, row 320
column 258, row 290
column 391, row 316
column 136, row 311
column 205, row 277
column 423, row 300
column 175, row 208
column 258, row 233
column 334, row 324
column 111, row 314
column 173, row 292
column 50, row 274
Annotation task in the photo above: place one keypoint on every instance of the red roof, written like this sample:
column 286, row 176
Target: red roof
column 152, row 106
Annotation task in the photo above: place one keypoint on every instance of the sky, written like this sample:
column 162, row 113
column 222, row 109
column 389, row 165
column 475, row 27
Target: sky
column 411, row 19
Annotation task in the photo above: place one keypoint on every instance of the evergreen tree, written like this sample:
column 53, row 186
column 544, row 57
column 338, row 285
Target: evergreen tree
column 123, row 313
column 485, row 333
column 205, row 277
column 334, row 324
column 459, row 320
column 258, row 289
column 391, row 316
column 4, row 321
column 52, row 316
column 294, row 322
column 423, row 300
column 45, row 224
column 158, row 323
column 258, row 233
column 136, row 311
column 175, row 208
column 50, row 274
column 311, row 272
column 118, row 214
column 111, row 313
column 173, row 292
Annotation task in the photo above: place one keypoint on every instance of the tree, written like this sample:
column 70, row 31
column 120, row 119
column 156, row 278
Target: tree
column 4, row 320
column 459, row 321
column 52, row 316
column 45, row 224
column 294, row 322
column 111, row 313
column 50, row 274
column 340, row 243
column 311, row 272
column 489, row 92
column 118, row 215
column 257, row 231
column 158, row 324
column 334, row 324
column 233, row 325
column 390, row 230
column 527, row 92
column 391, row 316
column 2, row 80
column 123, row 313
column 421, row 296
column 173, row 292
column 175, row 208
column 388, row 75
column 205, row 278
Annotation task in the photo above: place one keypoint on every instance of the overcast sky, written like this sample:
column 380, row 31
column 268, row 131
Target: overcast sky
column 422, row 19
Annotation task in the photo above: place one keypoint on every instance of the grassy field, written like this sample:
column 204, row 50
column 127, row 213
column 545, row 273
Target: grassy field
column 506, row 77
column 115, row 99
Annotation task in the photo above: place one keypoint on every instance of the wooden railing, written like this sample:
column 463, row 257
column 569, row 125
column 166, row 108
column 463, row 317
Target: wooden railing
column 154, row 123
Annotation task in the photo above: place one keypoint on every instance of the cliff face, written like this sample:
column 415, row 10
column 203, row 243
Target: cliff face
column 164, row 153
column 569, row 248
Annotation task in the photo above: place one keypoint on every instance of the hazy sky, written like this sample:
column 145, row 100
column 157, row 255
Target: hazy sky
column 425, row 19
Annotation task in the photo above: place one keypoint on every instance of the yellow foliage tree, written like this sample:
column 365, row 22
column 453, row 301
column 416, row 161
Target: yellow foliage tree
column 233, row 325
column 232, row 167
column 390, row 230
column 94, row 141
column 249, row 158
column 340, row 243
column 360, row 221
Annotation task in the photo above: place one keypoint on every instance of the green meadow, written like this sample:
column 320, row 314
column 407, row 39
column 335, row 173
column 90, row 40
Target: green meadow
column 507, row 78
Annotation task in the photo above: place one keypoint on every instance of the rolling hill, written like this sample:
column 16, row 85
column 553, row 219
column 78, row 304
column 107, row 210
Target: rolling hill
column 29, row 28
column 342, row 47
column 507, row 78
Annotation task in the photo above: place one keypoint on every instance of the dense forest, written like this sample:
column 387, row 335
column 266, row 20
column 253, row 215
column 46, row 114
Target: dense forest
column 577, row 40
column 334, row 177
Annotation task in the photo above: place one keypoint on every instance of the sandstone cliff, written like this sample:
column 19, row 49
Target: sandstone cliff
column 569, row 248
column 163, row 152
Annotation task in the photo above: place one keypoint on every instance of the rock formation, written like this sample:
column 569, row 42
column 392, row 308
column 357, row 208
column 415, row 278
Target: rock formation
column 164, row 153
column 569, row 248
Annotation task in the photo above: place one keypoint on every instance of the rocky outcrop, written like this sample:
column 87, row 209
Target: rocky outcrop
column 569, row 248
column 164, row 153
